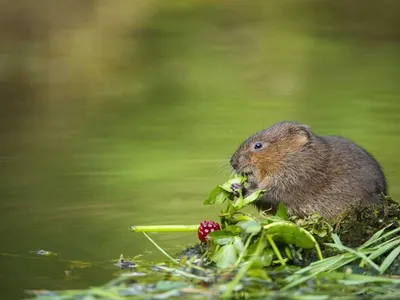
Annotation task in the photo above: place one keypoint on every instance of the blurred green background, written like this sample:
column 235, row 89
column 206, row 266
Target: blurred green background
column 120, row 113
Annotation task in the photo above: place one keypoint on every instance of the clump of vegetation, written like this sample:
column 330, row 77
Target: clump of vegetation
column 248, row 255
column 359, row 222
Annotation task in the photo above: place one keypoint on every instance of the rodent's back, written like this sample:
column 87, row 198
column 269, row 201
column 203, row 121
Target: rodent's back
column 351, row 159
column 355, row 175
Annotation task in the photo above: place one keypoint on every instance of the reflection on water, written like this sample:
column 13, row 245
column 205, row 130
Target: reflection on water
column 118, row 120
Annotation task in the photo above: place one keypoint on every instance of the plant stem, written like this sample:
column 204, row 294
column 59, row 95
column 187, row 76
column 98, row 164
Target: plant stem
column 242, row 272
column 244, row 250
column 161, row 249
column 165, row 228
column 275, row 249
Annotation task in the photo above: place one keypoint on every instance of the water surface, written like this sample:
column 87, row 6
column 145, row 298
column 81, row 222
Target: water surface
column 137, row 124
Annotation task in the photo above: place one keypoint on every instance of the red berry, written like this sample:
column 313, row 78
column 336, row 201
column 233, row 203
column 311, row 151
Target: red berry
column 205, row 228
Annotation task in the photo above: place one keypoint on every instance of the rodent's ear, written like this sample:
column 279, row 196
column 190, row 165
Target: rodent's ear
column 304, row 129
column 303, row 133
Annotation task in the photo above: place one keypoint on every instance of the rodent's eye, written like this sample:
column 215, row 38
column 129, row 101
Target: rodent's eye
column 258, row 145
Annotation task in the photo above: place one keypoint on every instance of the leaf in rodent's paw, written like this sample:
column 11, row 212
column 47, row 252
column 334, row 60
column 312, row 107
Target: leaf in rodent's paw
column 243, row 202
column 226, row 256
column 222, row 192
column 217, row 196
column 237, row 179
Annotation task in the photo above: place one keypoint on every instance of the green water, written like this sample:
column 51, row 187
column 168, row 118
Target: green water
column 88, row 151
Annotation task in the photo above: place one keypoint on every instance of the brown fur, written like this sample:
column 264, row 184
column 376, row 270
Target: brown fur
column 307, row 172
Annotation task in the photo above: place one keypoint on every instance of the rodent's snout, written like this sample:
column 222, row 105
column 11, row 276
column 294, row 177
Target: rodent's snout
column 234, row 162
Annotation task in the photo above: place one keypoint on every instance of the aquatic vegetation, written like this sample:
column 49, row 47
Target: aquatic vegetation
column 257, row 256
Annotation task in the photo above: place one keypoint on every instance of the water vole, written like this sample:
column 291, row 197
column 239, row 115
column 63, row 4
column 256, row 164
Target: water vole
column 307, row 172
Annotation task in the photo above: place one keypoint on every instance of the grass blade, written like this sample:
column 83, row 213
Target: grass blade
column 355, row 279
column 368, row 243
column 389, row 259
column 385, row 243
column 373, row 238
column 336, row 239
column 356, row 253
column 334, row 263
column 321, row 264
column 383, row 248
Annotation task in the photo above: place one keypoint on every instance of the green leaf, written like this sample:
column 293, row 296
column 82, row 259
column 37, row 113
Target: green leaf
column 271, row 219
column 217, row 196
column 243, row 202
column 251, row 250
column 226, row 256
column 237, row 242
column 250, row 226
column 221, row 237
column 233, row 228
column 237, row 179
column 239, row 203
column 254, row 247
column 258, row 273
column 240, row 218
column 253, row 197
column 267, row 257
column 282, row 211
column 290, row 233
column 389, row 259
column 320, row 232
column 222, row 192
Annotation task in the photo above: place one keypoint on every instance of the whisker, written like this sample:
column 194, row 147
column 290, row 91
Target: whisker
column 224, row 169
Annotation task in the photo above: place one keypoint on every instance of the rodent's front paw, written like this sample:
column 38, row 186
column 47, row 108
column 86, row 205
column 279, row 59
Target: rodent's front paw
column 236, row 188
